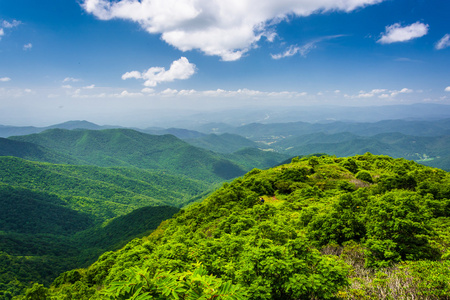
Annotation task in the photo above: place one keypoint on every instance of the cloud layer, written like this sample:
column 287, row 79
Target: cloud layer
column 396, row 33
column 227, row 29
column 179, row 69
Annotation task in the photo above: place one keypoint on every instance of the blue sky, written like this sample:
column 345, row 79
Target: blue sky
column 127, row 62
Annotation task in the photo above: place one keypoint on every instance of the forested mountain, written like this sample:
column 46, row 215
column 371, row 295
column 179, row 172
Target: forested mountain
column 7, row 131
column 56, row 217
column 274, row 131
column 35, row 152
column 129, row 148
column 223, row 143
column 103, row 193
column 362, row 227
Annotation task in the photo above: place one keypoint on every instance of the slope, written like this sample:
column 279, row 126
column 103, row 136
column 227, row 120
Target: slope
column 125, row 147
column 102, row 193
column 34, row 152
column 328, row 228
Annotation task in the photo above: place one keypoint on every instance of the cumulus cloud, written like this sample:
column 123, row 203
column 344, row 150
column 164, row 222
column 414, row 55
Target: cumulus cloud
column 396, row 33
column 402, row 91
column 13, row 23
column 89, row 87
column 305, row 49
column 27, row 46
column 179, row 69
column 444, row 42
column 71, row 79
column 447, row 89
column 227, row 29
column 374, row 92
column 2, row 32
column 5, row 79
column 148, row 90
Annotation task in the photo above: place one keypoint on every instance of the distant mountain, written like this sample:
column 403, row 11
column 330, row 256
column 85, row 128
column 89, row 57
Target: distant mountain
column 429, row 150
column 7, row 131
column 278, row 131
column 129, row 148
column 224, row 143
column 79, row 125
column 178, row 132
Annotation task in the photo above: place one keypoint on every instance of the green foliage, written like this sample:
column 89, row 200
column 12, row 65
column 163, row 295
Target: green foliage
column 397, row 228
column 364, row 176
column 140, row 284
column 36, row 292
column 323, row 232
column 130, row 148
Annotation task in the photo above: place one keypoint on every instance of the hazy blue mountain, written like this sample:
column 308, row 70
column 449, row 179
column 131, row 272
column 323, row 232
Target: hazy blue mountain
column 7, row 131
column 224, row 143
column 178, row 132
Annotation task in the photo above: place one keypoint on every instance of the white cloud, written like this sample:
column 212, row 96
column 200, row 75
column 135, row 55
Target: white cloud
column 396, row 33
column 89, row 87
column 447, row 89
column 444, row 42
column 27, row 46
column 8, row 25
column 363, row 94
column 5, row 79
column 148, row 90
column 14, row 23
column 66, row 86
column 179, row 69
column 71, row 79
column 305, row 49
column 169, row 92
column 227, row 29
column 402, row 91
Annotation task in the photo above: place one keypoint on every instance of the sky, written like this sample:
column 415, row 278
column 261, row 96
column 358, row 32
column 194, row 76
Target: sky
column 129, row 62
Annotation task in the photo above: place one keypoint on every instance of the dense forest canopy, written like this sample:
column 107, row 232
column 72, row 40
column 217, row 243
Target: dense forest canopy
column 360, row 227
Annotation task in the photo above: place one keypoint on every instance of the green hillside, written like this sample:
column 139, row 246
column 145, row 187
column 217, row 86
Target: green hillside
column 362, row 227
column 102, row 193
column 129, row 148
column 32, row 151
column 57, row 217
column 61, row 240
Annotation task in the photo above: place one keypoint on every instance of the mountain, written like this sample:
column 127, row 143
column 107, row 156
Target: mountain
column 430, row 150
column 35, row 152
column 102, row 193
column 275, row 132
column 129, row 148
column 56, row 217
column 317, row 228
column 223, row 143
column 7, row 131
column 178, row 132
